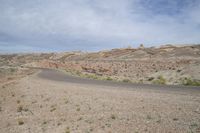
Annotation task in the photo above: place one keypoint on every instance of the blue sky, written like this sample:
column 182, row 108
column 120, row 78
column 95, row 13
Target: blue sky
column 92, row 25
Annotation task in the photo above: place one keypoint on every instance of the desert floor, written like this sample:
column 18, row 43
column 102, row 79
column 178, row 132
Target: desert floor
column 35, row 104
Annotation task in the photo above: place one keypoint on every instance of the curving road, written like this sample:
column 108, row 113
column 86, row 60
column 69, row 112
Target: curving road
column 55, row 75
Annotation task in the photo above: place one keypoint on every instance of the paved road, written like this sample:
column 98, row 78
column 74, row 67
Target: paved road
column 60, row 76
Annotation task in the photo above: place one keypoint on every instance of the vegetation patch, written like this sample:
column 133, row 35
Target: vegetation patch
column 150, row 78
column 67, row 130
column 126, row 80
column 189, row 82
column 113, row 117
column 149, row 117
column 20, row 122
column 78, row 109
column 109, row 78
column 53, row 108
column 160, row 80
column 20, row 108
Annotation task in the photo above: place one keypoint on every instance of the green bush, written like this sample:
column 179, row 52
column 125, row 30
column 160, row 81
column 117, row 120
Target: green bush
column 109, row 78
column 160, row 80
column 190, row 82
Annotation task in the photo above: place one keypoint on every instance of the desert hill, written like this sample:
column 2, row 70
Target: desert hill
column 167, row 64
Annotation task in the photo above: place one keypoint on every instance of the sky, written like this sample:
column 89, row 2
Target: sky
column 93, row 25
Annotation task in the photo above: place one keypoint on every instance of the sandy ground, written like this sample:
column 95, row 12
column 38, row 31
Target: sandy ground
column 37, row 105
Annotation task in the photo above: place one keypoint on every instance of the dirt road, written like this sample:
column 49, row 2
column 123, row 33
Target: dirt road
column 52, row 102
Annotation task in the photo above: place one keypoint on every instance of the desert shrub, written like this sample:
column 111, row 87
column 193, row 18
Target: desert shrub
column 78, row 109
column 20, row 108
column 78, row 73
column 113, row 117
column 18, row 101
column 126, row 80
column 109, row 78
column 44, row 123
column 53, row 109
column 12, row 70
column 20, row 122
column 160, row 80
column 140, row 81
column 92, row 76
column 67, row 130
column 190, row 82
column 175, row 119
column 26, row 109
column 150, row 78
column 149, row 117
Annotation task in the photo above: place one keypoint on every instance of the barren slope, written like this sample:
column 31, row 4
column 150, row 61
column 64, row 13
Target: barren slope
column 39, row 105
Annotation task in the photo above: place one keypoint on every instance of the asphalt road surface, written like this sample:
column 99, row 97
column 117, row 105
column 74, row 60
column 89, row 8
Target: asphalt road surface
column 55, row 75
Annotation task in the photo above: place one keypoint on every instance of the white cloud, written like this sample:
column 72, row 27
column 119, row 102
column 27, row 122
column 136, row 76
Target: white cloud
column 119, row 22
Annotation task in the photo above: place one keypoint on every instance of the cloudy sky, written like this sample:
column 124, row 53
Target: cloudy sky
column 92, row 25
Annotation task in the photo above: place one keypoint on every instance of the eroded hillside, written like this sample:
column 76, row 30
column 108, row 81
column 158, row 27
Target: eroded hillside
column 164, row 65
